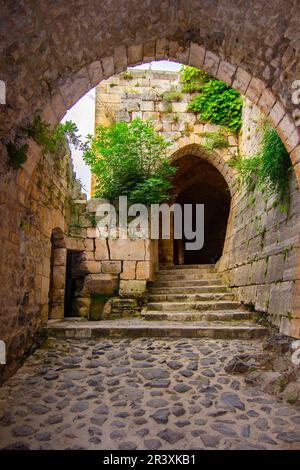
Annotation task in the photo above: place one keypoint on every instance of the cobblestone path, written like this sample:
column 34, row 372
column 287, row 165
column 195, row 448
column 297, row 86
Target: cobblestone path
column 141, row 394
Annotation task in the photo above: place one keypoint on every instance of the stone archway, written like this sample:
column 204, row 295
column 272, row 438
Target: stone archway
column 47, row 71
column 205, row 178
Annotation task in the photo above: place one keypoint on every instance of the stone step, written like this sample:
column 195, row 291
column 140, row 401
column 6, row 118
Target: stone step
column 189, row 290
column 226, row 315
column 188, row 306
column 187, row 266
column 186, row 276
column 153, row 297
column 184, row 272
column 189, row 283
column 137, row 328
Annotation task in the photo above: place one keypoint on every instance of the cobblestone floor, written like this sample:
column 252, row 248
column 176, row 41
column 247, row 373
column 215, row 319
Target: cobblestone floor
column 144, row 394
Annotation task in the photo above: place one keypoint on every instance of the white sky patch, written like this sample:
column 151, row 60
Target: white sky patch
column 83, row 114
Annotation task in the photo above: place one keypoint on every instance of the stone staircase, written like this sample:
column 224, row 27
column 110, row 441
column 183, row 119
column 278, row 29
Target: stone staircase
column 197, row 293
column 187, row 301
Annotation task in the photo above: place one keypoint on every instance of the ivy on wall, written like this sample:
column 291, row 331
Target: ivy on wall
column 52, row 141
column 216, row 102
column 269, row 170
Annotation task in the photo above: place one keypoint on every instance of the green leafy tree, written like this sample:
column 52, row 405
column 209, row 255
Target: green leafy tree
column 130, row 160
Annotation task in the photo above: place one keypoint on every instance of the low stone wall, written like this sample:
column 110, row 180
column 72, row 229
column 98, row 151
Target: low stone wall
column 107, row 267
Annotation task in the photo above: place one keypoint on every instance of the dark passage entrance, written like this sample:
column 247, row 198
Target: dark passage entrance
column 199, row 182
column 74, row 282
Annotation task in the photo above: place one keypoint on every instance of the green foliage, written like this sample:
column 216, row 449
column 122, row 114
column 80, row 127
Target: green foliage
column 52, row 141
column 127, row 75
column 219, row 104
column 17, row 154
column 172, row 95
column 215, row 140
column 269, row 170
column 93, row 220
column 261, row 319
column 130, row 160
column 193, row 79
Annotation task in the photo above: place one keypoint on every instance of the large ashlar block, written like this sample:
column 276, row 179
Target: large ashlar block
column 197, row 54
column 134, row 288
column 89, row 244
column 226, row 72
column 57, row 311
column 179, row 107
column 111, row 267
column 105, row 284
column 281, row 298
column 262, row 298
column 59, row 277
column 242, row 80
column 144, row 270
column 101, row 249
column 92, row 267
column 135, row 54
column 59, row 257
column 128, row 250
column 290, row 327
column 128, row 270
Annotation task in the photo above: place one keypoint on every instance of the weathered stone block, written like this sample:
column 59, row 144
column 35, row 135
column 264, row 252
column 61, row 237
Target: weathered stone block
column 129, row 268
column 91, row 232
column 128, row 250
column 197, row 54
column 101, row 249
column 59, row 256
column 135, row 288
column 226, row 72
column 144, row 270
column 111, row 267
column 135, row 54
column 93, row 267
column 59, row 277
column 105, row 284
column 89, row 244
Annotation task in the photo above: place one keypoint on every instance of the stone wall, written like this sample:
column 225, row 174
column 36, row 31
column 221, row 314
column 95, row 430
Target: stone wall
column 106, row 267
column 260, row 256
column 34, row 202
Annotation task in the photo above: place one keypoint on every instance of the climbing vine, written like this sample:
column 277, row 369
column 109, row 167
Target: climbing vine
column 193, row 79
column 52, row 141
column 215, row 102
column 215, row 140
column 269, row 170
column 219, row 104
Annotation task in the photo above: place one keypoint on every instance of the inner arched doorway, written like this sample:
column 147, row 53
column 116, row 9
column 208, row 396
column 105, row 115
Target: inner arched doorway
column 198, row 181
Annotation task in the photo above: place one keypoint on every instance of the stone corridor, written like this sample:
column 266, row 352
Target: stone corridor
column 141, row 394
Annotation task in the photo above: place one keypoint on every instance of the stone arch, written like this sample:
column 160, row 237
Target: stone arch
column 68, row 90
column 218, row 159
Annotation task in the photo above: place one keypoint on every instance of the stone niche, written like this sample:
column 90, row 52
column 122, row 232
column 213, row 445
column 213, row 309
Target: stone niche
column 115, row 271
